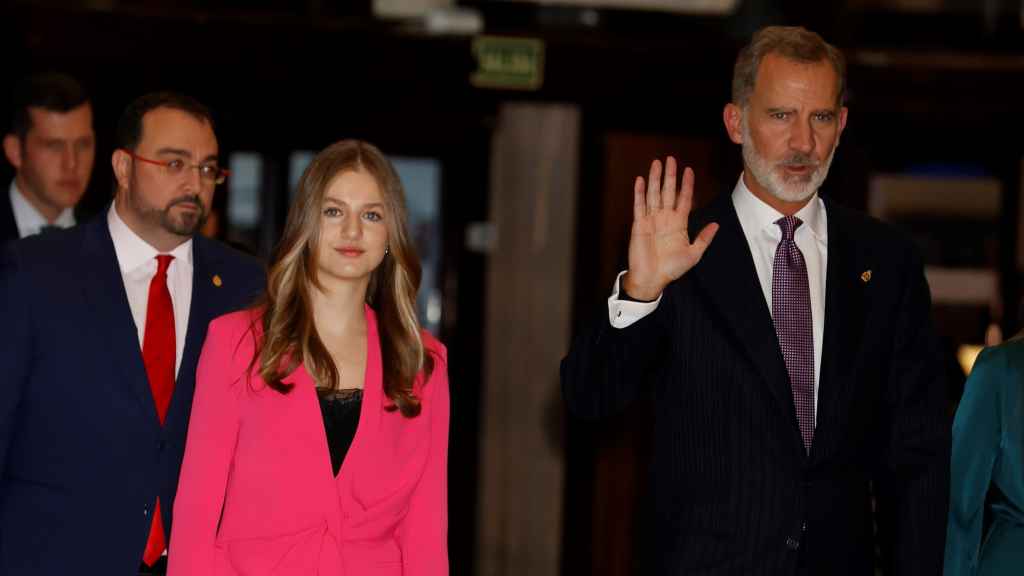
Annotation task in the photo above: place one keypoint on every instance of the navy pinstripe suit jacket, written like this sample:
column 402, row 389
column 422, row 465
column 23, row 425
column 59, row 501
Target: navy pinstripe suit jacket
column 733, row 488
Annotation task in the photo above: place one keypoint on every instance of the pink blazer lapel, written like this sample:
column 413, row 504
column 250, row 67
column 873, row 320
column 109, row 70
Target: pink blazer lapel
column 335, row 489
column 323, row 480
column 372, row 407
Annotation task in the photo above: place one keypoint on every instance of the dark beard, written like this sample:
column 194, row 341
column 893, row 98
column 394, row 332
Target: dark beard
column 187, row 223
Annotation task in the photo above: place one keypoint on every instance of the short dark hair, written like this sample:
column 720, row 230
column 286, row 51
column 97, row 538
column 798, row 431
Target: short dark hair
column 50, row 91
column 790, row 42
column 129, row 126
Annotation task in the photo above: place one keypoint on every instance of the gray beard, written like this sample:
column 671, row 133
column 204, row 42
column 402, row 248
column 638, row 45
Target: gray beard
column 795, row 190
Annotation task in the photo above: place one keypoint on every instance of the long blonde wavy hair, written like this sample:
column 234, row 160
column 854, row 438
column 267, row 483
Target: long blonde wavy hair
column 289, row 335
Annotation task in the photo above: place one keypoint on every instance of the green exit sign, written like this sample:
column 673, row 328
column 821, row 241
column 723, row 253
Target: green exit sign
column 508, row 63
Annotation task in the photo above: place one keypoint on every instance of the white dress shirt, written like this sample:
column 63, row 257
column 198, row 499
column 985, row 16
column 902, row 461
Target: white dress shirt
column 757, row 219
column 137, row 261
column 29, row 220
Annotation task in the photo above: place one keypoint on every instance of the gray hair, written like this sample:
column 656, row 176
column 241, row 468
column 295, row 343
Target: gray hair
column 791, row 42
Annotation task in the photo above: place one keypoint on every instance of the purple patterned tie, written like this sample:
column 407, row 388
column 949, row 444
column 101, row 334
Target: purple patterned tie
column 791, row 312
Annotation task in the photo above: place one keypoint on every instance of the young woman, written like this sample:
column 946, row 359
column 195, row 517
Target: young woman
column 319, row 431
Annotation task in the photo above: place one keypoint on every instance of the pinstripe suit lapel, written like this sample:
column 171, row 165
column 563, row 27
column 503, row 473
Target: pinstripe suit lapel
column 727, row 277
column 844, row 313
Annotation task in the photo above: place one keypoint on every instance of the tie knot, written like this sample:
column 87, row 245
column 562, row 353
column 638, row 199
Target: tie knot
column 789, row 224
column 162, row 262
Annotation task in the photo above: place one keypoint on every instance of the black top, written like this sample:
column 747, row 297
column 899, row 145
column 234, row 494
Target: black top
column 340, row 409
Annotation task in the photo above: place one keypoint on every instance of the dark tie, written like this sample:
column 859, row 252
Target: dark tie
column 158, row 348
column 48, row 228
column 791, row 312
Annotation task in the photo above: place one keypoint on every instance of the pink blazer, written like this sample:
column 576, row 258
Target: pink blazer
column 257, row 494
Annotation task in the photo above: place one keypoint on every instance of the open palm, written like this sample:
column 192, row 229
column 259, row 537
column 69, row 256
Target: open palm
column 660, row 249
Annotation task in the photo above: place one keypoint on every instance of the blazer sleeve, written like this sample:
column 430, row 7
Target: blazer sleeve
column 606, row 366
column 976, row 435
column 422, row 534
column 16, row 351
column 209, row 450
column 912, row 472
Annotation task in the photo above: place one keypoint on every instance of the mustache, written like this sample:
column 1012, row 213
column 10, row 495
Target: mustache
column 188, row 199
column 799, row 160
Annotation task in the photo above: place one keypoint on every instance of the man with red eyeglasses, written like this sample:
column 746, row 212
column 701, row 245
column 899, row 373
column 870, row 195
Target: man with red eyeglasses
column 104, row 327
column 51, row 145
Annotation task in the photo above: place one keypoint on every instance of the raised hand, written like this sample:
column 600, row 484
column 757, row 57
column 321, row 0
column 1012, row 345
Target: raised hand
column 659, row 245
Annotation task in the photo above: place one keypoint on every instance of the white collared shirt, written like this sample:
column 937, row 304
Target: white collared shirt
column 137, row 260
column 29, row 220
column 757, row 219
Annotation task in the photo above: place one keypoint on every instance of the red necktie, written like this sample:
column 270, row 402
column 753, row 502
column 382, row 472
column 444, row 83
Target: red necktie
column 158, row 348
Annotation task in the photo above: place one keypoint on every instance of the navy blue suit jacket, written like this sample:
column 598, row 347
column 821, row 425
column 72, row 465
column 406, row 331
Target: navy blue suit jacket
column 8, row 226
column 83, row 456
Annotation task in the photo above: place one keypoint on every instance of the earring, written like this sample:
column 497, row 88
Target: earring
column 387, row 250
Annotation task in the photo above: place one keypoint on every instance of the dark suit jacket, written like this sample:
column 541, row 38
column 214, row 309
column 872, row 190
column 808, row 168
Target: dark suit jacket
column 9, row 226
column 734, row 490
column 83, row 456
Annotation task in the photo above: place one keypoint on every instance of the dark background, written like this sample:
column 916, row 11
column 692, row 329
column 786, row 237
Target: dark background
column 937, row 90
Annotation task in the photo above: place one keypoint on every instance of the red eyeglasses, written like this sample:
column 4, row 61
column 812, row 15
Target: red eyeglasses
column 208, row 171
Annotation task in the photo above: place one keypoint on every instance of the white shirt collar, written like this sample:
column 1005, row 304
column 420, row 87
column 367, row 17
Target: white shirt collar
column 133, row 252
column 755, row 214
column 29, row 220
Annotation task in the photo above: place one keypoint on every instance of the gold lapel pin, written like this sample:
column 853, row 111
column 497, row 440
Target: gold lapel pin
column 217, row 281
column 866, row 276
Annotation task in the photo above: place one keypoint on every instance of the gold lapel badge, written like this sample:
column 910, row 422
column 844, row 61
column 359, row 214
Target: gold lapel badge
column 866, row 276
column 217, row 281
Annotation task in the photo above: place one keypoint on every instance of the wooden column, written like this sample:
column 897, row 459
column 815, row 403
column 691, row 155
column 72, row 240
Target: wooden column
column 534, row 167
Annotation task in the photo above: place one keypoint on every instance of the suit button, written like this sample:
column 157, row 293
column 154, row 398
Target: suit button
column 792, row 543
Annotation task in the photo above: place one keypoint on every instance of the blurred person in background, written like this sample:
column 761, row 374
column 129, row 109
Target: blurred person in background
column 51, row 146
column 319, row 434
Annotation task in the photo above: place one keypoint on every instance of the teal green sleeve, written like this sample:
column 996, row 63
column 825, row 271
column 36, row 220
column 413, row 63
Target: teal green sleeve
column 976, row 440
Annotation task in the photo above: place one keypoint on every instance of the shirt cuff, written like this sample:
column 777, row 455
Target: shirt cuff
column 623, row 313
